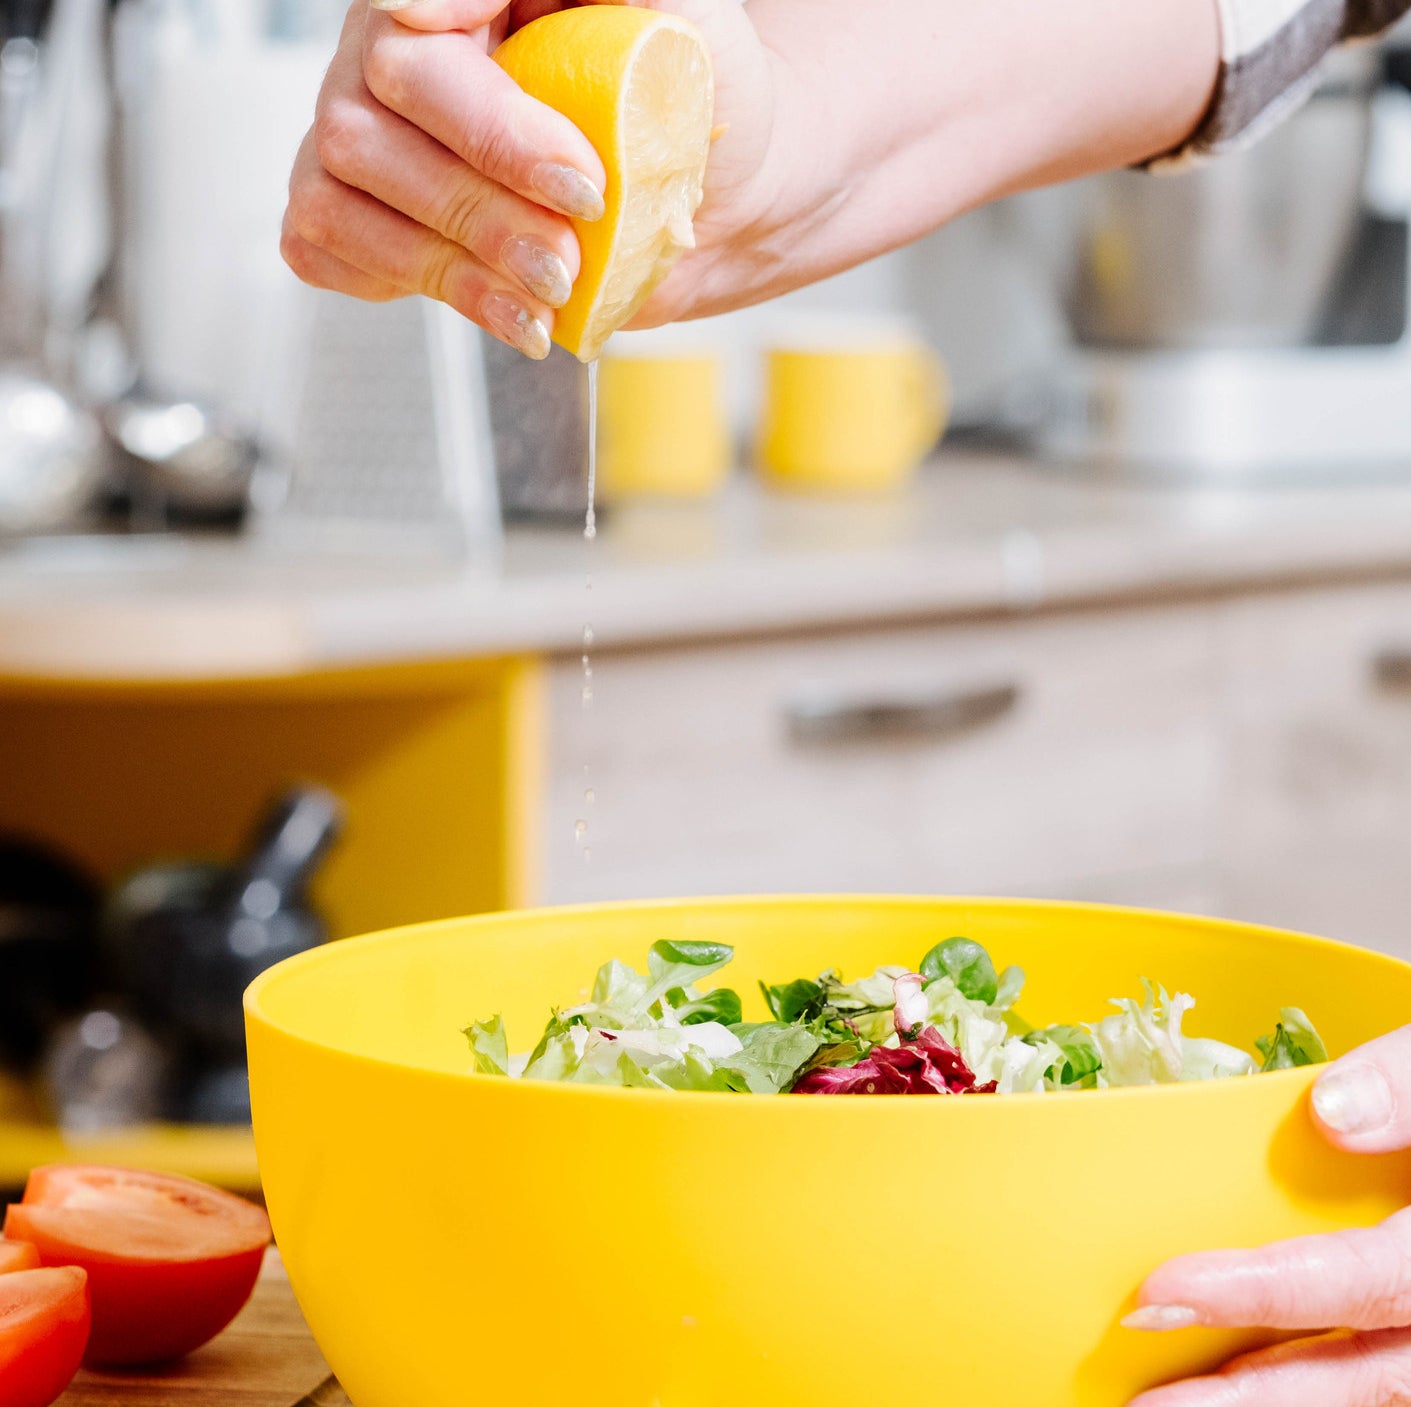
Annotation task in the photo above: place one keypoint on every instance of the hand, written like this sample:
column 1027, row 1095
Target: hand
column 428, row 171
column 1356, row 1281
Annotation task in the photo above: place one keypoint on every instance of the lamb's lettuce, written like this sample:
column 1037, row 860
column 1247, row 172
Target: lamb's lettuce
column 967, row 964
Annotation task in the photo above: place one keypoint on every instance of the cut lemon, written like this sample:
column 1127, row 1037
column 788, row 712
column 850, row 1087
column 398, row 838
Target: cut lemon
column 638, row 85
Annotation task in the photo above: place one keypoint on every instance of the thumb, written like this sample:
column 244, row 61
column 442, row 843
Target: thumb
column 442, row 15
column 1363, row 1101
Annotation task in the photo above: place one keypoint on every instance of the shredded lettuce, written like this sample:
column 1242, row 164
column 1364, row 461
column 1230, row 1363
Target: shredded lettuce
column 947, row 1027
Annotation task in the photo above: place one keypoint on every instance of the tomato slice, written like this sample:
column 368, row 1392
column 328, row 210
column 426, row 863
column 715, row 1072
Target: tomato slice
column 170, row 1261
column 17, row 1255
column 44, row 1319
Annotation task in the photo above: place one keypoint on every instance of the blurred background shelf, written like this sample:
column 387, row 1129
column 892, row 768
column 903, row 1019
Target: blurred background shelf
column 224, row 1156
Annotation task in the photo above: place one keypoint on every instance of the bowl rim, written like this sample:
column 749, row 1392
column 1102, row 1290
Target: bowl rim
column 312, row 957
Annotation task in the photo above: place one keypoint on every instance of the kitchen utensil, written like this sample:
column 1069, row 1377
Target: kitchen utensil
column 180, row 460
column 1242, row 252
column 48, row 945
column 51, row 462
column 187, row 939
column 539, row 419
column 690, row 1246
column 51, row 455
column 1250, row 319
column 387, row 429
column 103, row 1071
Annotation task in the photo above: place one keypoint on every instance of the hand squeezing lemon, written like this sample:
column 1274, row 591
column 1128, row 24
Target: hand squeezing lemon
column 638, row 85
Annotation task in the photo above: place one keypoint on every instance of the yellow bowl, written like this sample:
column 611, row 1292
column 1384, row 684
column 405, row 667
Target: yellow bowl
column 456, row 1238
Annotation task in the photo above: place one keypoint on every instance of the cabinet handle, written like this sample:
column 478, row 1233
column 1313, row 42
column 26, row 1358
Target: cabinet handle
column 1391, row 669
column 822, row 721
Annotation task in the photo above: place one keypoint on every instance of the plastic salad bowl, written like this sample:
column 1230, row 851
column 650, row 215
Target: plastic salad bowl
column 456, row 1238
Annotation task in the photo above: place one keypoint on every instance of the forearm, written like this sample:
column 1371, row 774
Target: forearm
column 895, row 116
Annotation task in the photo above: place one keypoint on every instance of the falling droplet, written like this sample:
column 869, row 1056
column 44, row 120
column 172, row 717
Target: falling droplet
column 587, row 854
column 587, row 696
column 580, row 830
column 587, row 636
column 590, row 525
column 589, row 797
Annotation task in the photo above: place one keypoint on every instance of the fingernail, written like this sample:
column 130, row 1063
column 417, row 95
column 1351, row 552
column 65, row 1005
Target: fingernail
column 1161, row 1317
column 1354, row 1099
column 516, row 325
column 568, row 190
column 540, row 270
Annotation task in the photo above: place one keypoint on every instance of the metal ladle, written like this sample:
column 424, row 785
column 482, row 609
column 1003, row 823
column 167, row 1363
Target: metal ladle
column 180, row 458
column 51, row 450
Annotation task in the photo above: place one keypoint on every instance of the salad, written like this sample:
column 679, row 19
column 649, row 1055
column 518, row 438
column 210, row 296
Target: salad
column 947, row 1027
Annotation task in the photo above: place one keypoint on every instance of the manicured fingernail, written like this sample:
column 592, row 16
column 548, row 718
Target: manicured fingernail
column 568, row 190
column 1160, row 1317
column 540, row 270
column 516, row 325
column 1354, row 1099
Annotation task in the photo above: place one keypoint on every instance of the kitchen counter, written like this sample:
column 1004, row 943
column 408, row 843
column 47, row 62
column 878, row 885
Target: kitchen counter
column 979, row 534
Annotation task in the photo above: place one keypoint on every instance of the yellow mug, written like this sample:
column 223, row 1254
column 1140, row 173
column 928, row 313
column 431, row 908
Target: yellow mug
column 662, row 428
column 855, row 414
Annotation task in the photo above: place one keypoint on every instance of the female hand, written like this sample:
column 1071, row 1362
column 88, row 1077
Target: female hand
column 427, row 170
column 1358, row 1282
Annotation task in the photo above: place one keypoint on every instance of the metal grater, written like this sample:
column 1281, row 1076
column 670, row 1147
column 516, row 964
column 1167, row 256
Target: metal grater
column 387, row 428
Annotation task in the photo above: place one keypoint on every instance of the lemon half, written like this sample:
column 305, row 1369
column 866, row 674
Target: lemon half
column 638, row 85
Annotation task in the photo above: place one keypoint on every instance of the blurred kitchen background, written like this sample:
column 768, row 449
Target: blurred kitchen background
column 300, row 635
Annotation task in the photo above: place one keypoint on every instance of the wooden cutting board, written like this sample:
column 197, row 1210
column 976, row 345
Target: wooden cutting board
column 266, row 1358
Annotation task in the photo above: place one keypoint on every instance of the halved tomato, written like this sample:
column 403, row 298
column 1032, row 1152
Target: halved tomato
column 43, row 1328
column 17, row 1255
column 170, row 1261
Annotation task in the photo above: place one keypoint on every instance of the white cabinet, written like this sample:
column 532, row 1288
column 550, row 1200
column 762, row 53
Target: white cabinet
column 1071, row 755
column 1250, row 757
column 1316, row 701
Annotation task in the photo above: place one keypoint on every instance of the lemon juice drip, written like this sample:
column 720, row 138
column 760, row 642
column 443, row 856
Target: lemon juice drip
column 590, row 533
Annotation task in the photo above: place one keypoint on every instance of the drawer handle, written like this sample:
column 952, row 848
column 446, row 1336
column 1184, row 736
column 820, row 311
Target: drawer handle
column 1392, row 670
column 823, row 721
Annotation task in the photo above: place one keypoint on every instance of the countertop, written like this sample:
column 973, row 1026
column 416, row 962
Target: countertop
column 978, row 534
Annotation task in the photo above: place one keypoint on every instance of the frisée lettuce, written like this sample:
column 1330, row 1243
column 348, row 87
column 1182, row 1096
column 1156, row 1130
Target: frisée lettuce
column 949, row 1026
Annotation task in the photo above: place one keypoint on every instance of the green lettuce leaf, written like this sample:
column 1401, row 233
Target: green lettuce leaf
column 682, row 965
column 773, row 1055
column 968, row 965
column 1295, row 1042
column 1009, row 988
column 722, row 1005
column 1080, row 1061
column 489, row 1046
column 800, row 1000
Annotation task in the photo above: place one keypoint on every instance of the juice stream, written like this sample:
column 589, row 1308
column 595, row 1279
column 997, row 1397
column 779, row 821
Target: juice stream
column 590, row 532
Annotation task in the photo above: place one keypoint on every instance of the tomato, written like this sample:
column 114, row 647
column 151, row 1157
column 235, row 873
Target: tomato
column 17, row 1255
column 43, row 1328
column 170, row 1261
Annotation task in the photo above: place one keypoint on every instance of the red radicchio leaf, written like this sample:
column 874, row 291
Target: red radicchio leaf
column 927, row 1065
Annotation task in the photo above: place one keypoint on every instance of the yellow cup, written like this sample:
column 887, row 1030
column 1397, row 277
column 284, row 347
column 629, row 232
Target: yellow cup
column 855, row 413
column 661, row 424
